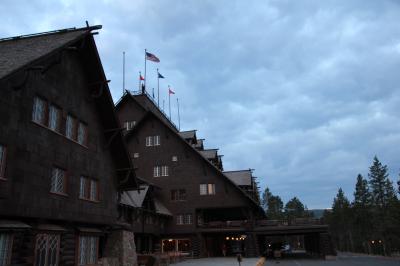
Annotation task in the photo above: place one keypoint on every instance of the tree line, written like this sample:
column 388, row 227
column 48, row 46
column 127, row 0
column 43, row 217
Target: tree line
column 370, row 223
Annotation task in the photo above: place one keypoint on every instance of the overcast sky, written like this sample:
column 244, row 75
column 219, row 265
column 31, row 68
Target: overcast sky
column 304, row 92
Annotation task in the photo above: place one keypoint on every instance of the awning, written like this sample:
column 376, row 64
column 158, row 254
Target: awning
column 11, row 224
column 50, row 227
column 90, row 230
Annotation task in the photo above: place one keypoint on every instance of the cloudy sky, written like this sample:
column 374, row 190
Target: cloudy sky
column 304, row 92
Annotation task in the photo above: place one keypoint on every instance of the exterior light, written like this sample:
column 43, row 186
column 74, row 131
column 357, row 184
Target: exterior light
column 373, row 242
column 170, row 240
column 227, row 238
column 380, row 241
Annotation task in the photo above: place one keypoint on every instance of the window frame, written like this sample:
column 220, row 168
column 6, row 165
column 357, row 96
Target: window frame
column 156, row 140
column 8, row 250
column 58, row 117
column 207, row 189
column 164, row 170
column 44, row 119
column 87, row 189
column 157, row 171
column 47, row 235
column 3, row 162
column 85, row 127
column 65, row 181
column 79, row 250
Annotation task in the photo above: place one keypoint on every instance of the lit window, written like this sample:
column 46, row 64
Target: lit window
column 187, row 219
column 88, row 250
column 164, row 170
column 39, row 110
column 54, row 118
column 3, row 153
column 47, row 249
column 70, row 128
column 174, row 158
column 89, row 189
column 5, row 248
column 207, row 189
column 58, row 181
column 136, row 155
column 82, row 131
column 156, row 171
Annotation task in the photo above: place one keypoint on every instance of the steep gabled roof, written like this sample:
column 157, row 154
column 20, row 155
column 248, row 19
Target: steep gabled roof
column 240, row 177
column 16, row 52
column 150, row 114
column 190, row 134
column 27, row 53
column 210, row 153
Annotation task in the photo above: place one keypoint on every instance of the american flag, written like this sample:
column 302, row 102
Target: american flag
column 152, row 57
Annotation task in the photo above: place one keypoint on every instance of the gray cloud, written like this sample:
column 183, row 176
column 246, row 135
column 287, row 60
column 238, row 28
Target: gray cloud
column 304, row 92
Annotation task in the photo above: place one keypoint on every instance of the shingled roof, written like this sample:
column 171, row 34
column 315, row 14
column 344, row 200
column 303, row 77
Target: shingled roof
column 209, row 153
column 240, row 178
column 16, row 52
column 190, row 134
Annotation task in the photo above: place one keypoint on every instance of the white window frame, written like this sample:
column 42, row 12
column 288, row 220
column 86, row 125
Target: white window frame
column 179, row 219
column 211, row 189
column 82, row 133
column 174, row 158
column 164, row 170
column 70, row 127
column 6, row 242
column 156, row 171
column 149, row 141
column 136, row 155
column 207, row 189
column 203, row 189
column 129, row 125
column 156, row 140
column 188, row 218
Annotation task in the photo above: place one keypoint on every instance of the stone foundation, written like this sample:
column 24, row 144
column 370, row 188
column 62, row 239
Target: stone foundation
column 120, row 247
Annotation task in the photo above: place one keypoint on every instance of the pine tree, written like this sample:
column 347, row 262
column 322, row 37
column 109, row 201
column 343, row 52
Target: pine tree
column 377, row 180
column 294, row 208
column 273, row 205
column 361, row 215
column 340, row 221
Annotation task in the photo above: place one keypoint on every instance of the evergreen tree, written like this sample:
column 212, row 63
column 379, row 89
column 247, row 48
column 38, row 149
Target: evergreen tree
column 377, row 180
column 340, row 221
column 273, row 205
column 294, row 208
column 361, row 223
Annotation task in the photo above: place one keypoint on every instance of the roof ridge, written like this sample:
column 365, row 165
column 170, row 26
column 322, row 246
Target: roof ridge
column 25, row 36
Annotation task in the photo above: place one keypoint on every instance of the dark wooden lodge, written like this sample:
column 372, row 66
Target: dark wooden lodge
column 63, row 160
column 209, row 211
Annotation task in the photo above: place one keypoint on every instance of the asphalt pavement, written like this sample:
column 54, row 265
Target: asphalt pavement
column 340, row 260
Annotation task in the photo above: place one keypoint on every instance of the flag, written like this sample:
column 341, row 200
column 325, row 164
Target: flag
column 160, row 76
column 141, row 78
column 152, row 57
column 170, row 91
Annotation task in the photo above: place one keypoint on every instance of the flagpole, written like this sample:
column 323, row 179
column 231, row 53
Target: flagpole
column 169, row 102
column 123, row 73
column 145, row 59
column 179, row 117
column 158, row 89
column 140, row 75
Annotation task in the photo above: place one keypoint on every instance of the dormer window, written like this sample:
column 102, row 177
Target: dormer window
column 129, row 125
column 152, row 141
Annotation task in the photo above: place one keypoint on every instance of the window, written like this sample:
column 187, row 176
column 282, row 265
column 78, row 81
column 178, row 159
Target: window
column 88, row 189
column 58, row 181
column 82, row 133
column 5, row 248
column 88, row 250
column 70, row 128
column 186, row 218
column 3, row 153
column 174, row 158
column 47, row 249
column 152, row 141
column 129, row 125
column 156, row 171
column 39, row 110
column 156, row 140
column 149, row 141
column 136, row 155
column 178, row 194
column 207, row 189
column 54, row 118
column 164, row 170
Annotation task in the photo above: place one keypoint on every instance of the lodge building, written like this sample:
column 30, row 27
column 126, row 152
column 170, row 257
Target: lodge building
column 86, row 182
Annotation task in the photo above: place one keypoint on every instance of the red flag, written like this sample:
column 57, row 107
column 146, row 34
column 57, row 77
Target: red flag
column 170, row 91
column 141, row 78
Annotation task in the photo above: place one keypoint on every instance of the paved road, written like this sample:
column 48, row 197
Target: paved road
column 341, row 260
